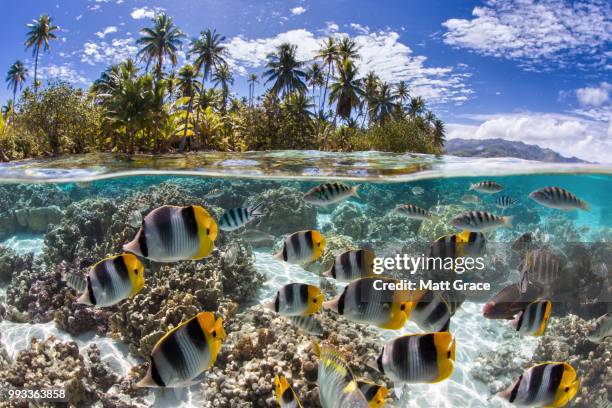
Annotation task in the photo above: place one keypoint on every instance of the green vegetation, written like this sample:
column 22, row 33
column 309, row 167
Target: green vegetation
column 150, row 105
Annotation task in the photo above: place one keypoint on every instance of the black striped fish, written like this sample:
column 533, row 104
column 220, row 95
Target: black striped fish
column 505, row 202
column 532, row 321
column 548, row 384
column 479, row 221
column 487, row 186
column 285, row 395
column 77, row 282
column 337, row 385
column 415, row 213
column 432, row 311
column 308, row 324
column 524, row 243
column 374, row 393
column 235, row 218
column 329, row 193
column 418, row 358
column 109, row 281
column 464, row 244
column 302, row 246
column 367, row 301
column 540, row 266
column 170, row 234
column 351, row 265
column 297, row 299
column 185, row 352
column 559, row 198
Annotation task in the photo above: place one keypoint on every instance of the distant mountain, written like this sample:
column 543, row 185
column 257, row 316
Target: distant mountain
column 504, row 148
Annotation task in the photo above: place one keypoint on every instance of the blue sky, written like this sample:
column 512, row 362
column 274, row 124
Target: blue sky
column 536, row 71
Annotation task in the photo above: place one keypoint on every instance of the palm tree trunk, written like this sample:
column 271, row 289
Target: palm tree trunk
column 329, row 67
column 36, row 72
column 184, row 139
column 14, row 104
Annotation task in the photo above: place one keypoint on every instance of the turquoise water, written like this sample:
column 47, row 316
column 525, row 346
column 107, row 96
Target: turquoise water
column 71, row 213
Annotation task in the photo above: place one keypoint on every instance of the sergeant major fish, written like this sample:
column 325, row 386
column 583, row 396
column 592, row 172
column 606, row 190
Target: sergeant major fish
column 170, row 234
column 329, row 193
column 285, row 395
column 415, row 213
column 541, row 267
column 505, row 202
column 309, row 324
column 544, row 385
column 479, row 221
column 185, row 352
column 558, row 198
column 602, row 329
column 418, row 358
column 235, row 218
column 297, row 299
column 351, row 265
column 109, row 281
column 302, row 246
column 487, row 186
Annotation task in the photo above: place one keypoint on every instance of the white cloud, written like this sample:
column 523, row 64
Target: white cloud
column 567, row 134
column 537, row 33
column 63, row 72
column 145, row 12
column 594, row 96
column 380, row 51
column 111, row 52
column 107, row 30
column 296, row 11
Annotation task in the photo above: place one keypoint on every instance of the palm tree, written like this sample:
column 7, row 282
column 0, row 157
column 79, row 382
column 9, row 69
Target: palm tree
column 346, row 91
column 223, row 77
column 160, row 41
column 429, row 119
column 401, row 92
column 328, row 53
column 315, row 77
column 285, row 70
column 187, row 83
column 209, row 52
column 370, row 93
column 438, row 133
column 41, row 32
column 384, row 104
column 253, row 79
column 348, row 49
column 15, row 78
column 299, row 104
column 416, row 107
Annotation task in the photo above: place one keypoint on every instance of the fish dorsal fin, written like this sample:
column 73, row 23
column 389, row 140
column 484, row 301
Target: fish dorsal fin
column 165, row 336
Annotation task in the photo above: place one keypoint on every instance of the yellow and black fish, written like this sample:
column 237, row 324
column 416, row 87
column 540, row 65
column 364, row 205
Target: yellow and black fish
column 337, row 385
column 464, row 244
column 297, row 299
column 374, row 393
column 302, row 247
column 370, row 301
column 544, row 385
column 185, row 352
column 109, row 281
column 285, row 395
column 351, row 265
column 432, row 310
column 532, row 321
column 170, row 234
column 418, row 358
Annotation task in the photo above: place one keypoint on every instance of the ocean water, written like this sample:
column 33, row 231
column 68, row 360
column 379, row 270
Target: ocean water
column 64, row 215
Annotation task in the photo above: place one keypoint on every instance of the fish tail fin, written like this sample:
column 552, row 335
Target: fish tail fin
column 514, row 323
column 354, row 191
column 84, row 299
column 327, row 273
column 372, row 364
column 279, row 256
column 585, row 206
column 269, row 305
column 472, row 187
column 507, row 220
column 255, row 210
column 147, row 381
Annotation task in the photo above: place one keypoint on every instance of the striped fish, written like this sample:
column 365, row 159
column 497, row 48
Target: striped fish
column 487, row 186
column 532, row 321
column 374, row 393
column 77, row 282
column 559, row 198
column 185, row 352
column 351, row 265
column 418, row 358
column 505, row 202
column 548, row 384
column 285, row 395
column 302, row 246
column 308, row 324
column 297, row 299
column 329, row 193
column 235, row 218
column 362, row 302
column 337, row 385
column 111, row 280
column 170, row 234
column 464, row 244
column 432, row 311
column 524, row 243
column 479, row 221
column 601, row 329
column 415, row 213
column 540, row 266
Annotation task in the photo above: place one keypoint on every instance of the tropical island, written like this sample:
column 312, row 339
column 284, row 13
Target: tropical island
column 150, row 105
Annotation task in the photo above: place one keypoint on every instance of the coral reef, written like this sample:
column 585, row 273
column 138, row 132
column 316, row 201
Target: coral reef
column 348, row 219
column 12, row 263
column 431, row 231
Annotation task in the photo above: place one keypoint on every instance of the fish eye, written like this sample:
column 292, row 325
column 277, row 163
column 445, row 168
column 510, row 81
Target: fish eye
column 403, row 307
column 448, row 354
column 136, row 271
column 318, row 244
column 207, row 231
column 214, row 333
column 566, row 389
